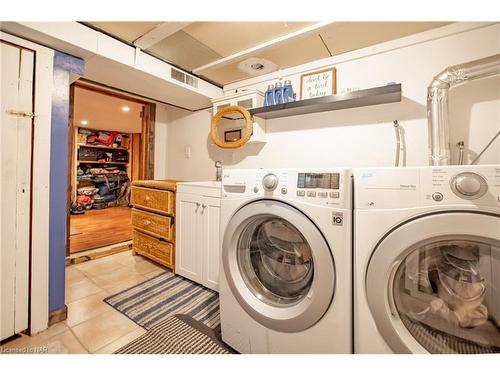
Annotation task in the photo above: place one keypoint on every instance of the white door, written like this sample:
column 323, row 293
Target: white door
column 278, row 266
column 433, row 284
column 17, row 73
column 189, row 231
column 210, row 215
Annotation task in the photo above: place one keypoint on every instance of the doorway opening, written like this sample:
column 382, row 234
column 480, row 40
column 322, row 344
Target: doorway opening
column 110, row 144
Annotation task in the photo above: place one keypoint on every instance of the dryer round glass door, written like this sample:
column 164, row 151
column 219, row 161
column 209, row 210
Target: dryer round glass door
column 278, row 265
column 442, row 290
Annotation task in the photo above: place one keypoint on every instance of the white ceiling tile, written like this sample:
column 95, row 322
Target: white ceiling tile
column 227, row 38
column 183, row 50
column 128, row 31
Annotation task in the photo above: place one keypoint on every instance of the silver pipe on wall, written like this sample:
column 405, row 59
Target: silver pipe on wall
column 398, row 142
column 461, row 146
column 437, row 102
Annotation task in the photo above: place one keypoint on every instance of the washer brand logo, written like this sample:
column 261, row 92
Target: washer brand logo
column 337, row 218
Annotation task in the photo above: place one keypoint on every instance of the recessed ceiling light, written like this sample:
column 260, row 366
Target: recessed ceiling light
column 125, row 109
column 256, row 66
column 84, row 122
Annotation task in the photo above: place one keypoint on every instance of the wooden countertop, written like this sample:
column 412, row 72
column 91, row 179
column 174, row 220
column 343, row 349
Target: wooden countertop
column 157, row 184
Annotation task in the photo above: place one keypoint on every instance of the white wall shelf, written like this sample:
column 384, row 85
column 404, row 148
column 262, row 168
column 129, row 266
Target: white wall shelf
column 354, row 99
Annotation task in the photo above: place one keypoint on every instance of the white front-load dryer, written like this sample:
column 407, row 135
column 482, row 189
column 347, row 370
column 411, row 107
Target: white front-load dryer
column 285, row 282
column 427, row 260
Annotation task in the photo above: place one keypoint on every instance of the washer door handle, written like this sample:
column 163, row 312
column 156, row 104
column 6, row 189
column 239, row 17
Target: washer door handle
column 392, row 306
column 390, row 292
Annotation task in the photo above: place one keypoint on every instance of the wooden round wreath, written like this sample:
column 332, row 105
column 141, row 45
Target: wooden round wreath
column 218, row 116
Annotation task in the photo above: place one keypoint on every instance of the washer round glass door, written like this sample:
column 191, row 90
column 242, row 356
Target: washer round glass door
column 433, row 284
column 278, row 265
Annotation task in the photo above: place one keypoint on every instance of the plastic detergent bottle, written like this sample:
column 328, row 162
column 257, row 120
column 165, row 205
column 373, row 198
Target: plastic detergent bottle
column 269, row 96
column 288, row 92
column 278, row 93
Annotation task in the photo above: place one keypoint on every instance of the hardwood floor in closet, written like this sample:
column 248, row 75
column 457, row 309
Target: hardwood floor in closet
column 97, row 228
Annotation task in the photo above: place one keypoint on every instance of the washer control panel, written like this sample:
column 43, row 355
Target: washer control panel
column 437, row 196
column 469, row 185
column 476, row 185
column 460, row 184
column 327, row 187
column 270, row 182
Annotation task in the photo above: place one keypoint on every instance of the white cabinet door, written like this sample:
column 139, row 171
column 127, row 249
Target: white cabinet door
column 198, row 238
column 188, row 239
column 248, row 99
column 16, row 95
column 210, row 215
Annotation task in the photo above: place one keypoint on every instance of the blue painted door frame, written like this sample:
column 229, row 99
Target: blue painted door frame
column 64, row 65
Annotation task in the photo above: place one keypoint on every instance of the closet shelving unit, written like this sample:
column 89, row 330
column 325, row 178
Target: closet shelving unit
column 104, row 148
column 102, row 162
column 354, row 99
column 95, row 163
column 101, row 147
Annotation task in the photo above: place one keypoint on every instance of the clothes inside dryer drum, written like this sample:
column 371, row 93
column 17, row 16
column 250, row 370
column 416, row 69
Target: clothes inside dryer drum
column 447, row 295
column 436, row 341
column 275, row 261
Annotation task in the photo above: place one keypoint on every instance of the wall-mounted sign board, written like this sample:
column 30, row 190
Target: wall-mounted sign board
column 318, row 84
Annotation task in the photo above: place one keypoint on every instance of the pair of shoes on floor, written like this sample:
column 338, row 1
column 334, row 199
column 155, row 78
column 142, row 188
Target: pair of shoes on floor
column 77, row 209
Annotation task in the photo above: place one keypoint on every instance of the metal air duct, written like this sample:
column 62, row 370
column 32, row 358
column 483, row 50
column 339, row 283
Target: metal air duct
column 437, row 102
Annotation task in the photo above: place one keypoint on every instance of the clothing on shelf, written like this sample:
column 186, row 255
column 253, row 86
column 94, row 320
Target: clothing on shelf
column 110, row 187
column 101, row 175
column 101, row 137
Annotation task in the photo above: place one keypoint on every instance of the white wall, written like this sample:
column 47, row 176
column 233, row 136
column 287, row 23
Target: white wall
column 161, row 142
column 189, row 129
column 363, row 136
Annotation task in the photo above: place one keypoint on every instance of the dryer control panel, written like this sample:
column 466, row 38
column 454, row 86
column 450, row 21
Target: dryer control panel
column 326, row 187
column 423, row 186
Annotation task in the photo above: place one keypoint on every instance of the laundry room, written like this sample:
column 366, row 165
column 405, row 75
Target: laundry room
column 254, row 186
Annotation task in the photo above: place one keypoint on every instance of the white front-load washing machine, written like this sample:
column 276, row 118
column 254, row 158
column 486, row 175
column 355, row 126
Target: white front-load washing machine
column 427, row 260
column 286, row 271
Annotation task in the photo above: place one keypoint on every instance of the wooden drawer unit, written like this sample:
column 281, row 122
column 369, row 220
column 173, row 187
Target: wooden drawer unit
column 154, row 248
column 153, row 224
column 153, row 218
column 160, row 201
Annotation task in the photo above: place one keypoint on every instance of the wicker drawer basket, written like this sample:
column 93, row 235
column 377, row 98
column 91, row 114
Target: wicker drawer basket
column 160, row 201
column 153, row 220
column 154, row 224
column 154, row 248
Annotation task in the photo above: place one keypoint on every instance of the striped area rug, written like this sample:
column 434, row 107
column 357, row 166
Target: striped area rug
column 178, row 334
column 165, row 295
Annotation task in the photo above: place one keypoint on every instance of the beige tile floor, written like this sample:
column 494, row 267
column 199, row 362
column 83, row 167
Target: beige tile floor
column 92, row 325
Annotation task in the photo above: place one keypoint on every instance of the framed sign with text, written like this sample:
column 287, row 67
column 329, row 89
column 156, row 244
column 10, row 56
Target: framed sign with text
column 317, row 84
